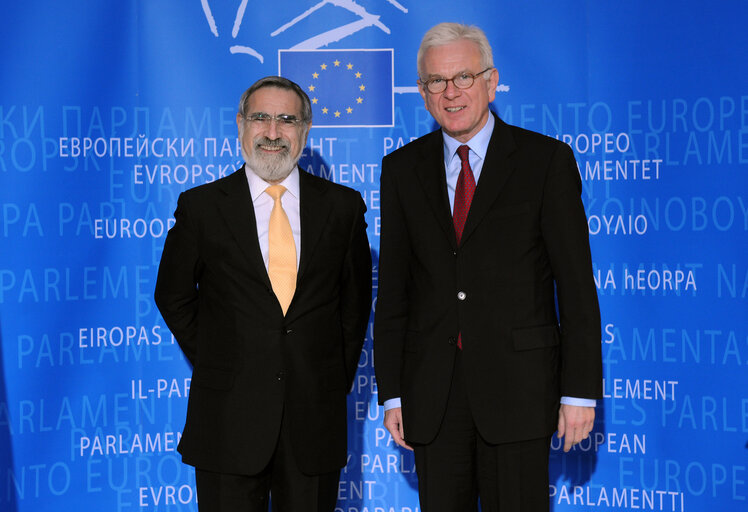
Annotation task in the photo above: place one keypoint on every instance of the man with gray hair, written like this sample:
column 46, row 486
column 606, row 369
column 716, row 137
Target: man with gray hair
column 483, row 236
column 265, row 281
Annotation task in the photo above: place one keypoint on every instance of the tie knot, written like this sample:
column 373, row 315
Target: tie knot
column 462, row 152
column 275, row 191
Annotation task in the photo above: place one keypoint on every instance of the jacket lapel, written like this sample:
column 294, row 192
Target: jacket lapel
column 314, row 211
column 433, row 178
column 496, row 170
column 239, row 214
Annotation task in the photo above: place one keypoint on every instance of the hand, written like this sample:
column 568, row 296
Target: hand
column 393, row 421
column 574, row 424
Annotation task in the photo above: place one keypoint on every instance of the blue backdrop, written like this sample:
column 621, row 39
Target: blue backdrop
column 109, row 109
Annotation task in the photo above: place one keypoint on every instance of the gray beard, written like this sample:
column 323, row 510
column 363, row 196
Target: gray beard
column 270, row 167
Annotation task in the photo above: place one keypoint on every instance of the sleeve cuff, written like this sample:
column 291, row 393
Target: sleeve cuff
column 394, row 403
column 568, row 400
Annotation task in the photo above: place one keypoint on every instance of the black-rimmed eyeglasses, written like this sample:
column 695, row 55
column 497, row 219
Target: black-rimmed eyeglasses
column 462, row 80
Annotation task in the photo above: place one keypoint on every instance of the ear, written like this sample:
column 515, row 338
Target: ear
column 424, row 92
column 239, row 120
column 492, row 83
column 306, row 133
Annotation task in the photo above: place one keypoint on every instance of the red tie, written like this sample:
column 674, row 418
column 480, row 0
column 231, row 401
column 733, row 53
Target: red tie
column 463, row 197
column 463, row 192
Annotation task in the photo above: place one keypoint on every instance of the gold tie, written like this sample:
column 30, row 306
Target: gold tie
column 281, row 250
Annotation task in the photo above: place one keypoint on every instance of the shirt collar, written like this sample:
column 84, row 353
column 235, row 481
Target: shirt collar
column 257, row 185
column 478, row 144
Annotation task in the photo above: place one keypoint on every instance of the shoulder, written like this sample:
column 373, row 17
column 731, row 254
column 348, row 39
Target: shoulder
column 416, row 150
column 530, row 142
column 216, row 189
column 340, row 193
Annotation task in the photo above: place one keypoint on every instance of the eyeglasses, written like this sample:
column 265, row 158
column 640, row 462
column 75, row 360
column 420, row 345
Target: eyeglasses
column 263, row 119
column 462, row 80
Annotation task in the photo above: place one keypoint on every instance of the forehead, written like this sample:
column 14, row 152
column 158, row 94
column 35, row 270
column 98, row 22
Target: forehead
column 274, row 100
column 451, row 58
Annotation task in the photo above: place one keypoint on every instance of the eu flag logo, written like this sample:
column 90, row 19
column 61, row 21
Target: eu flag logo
column 347, row 88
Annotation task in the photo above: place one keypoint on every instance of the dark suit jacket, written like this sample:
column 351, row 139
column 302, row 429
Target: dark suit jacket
column 250, row 364
column 525, row 235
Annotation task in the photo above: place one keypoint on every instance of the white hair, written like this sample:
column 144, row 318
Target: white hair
column 445, row 33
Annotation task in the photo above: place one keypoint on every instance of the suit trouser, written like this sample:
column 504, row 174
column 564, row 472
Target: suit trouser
column 288, row 488
column 459, row 468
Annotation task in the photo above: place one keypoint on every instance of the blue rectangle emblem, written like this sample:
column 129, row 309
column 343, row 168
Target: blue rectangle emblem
column 347, row 88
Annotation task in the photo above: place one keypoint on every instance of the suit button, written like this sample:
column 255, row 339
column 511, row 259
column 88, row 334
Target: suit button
column 280, row 375
column 452, row 340
column 289, row 331
column 454, row 253
column 461, row 295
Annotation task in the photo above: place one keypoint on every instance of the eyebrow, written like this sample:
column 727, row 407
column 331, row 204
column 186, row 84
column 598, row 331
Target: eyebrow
column 279, row 114
column 442, row 76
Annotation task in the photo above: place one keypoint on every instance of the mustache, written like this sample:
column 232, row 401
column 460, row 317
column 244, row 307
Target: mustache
column 265, row 141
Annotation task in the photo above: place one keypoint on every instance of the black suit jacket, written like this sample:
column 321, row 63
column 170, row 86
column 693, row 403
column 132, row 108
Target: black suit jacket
column 525, row 242
column 252, row 365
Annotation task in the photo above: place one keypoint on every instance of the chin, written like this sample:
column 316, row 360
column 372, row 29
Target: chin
column 271, row 167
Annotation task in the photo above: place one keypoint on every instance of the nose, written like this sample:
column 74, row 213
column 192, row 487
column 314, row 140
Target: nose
column 273, row 129
column 451, row 91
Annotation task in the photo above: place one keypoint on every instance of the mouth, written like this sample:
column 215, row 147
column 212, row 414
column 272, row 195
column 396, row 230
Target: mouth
column 271, row 149
column 452, row 110
column 271, row 146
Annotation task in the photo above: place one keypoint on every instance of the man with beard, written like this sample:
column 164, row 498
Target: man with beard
column 265, row 281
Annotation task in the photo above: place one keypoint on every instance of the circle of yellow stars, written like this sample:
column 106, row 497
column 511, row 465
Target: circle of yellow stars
column 336, row 64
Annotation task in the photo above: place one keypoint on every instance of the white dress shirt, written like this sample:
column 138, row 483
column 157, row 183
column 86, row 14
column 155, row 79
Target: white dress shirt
column 263, row 205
